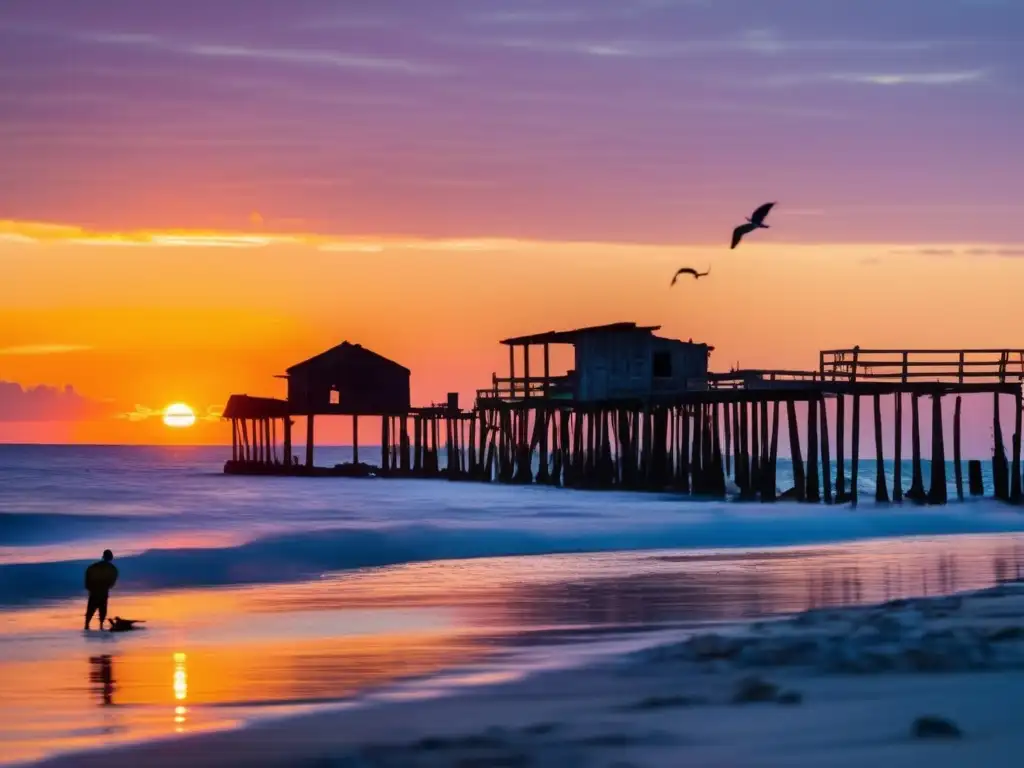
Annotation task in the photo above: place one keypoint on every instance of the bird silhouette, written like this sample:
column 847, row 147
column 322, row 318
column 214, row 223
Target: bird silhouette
column 755, row 221
column 689, row 271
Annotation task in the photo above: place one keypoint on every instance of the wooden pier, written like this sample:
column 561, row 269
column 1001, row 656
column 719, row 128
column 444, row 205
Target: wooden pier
column 644, row 413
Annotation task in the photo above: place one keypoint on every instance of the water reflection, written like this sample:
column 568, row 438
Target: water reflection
column 101, row 678
column 180, row 691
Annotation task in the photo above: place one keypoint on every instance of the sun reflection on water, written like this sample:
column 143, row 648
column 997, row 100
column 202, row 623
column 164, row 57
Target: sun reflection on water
column 180, row 691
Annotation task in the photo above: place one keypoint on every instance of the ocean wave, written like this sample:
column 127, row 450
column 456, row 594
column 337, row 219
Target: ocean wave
column 19, row 529
column 308, row 554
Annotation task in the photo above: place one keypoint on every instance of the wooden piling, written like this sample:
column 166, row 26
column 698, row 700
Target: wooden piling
column 957, row 469
column 974, row 478
column 736, row 444
column 881, row 491
column 754, row 480
column 937, row 492
column 855, row 450
column 385, row 445
column 826, row 460
column 841, row 497
column 309, row 440
column 812, row 493
column 728, row 439
column 999, row 466
column 799, row 478
column 288, row 440
column 1015, row 479
column 897, row 464
column 769, row 484
column 916, row 492
column 717, row 466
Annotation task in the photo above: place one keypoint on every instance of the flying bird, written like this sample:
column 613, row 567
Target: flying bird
column 756, row 221
column 690, row 271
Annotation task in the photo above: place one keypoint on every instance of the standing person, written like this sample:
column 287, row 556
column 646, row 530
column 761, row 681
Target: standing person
column 100, row 577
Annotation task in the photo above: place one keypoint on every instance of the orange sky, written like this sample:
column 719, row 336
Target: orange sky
column 139, row 320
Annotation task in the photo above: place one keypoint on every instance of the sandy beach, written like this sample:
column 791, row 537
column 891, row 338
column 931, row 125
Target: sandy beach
column 906, row 682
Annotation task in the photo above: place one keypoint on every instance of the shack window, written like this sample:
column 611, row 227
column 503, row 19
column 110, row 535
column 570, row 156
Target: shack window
column 661, row 365
column 335, row 397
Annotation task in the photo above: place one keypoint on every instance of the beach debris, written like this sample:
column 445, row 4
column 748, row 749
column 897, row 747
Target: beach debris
column 932, row 727
column 754, row 690
column 666, row 702
column 712, row 646
column 755, row 221
column 1006, row 633
column 689, row 271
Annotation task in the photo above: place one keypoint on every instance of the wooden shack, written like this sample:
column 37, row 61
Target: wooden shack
column 611, row 362
column 347, row 380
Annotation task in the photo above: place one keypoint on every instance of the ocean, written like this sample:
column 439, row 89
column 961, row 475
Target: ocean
column 264, row 596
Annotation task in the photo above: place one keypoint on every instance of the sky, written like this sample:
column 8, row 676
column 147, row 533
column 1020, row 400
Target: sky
column 195, row 195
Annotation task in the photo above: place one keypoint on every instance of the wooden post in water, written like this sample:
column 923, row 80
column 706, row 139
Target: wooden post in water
column 385, row 444
column 417, row 458
column 355, row 438
column 768, row 476
column 754, row 480
column 764, row 435
column 799, row 478
column 841, row 449
column 728, row 439
column 743, row 454
column 1015, row 480
column 999, row 467
column 958, row 472
column 542, row 419
column 309, row 440
column 826, row 460
column 937, row 492
column 812, row 493
column 288, row 440
column 736, row 447
column 855, row 450
column 897, row 464
column 881, row 491
column 916, row 492
column 684, row 451
column 234, row 439
column 696, row 457
column 717, row 467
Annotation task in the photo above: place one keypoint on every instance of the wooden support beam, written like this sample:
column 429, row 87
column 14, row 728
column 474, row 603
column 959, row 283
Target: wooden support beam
column 770, row 484
column 881, row 491
column 826, row 462
column 958, row 472
column 855, row 450
column 717, row 466
column 234, row 439
column 999, row 466
column 697, row 452
column 897, row 462
column 355, row 438
column 736, row 443
column 812, row 492
column 799, row 478
column 288, row 424
column 684, row 451
column 385, row 445
column 754, row 480
column 309, row 440
column 916, row 492
column 841, row 497
column 405, row 463
column 743, row 474
column 937, row 492
column 728, row 439
column 1015, row 479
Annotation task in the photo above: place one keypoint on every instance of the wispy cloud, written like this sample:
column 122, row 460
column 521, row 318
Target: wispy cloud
column 759, row 42
column 145, row 413
column 37, row 233
column 44, row 349
column 296, row 56
column 1004, row 251
column 912, row 78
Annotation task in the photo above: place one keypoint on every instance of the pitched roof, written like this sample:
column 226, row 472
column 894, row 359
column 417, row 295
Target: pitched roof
column 247, row 407
column 345, row 353
column 568, row 337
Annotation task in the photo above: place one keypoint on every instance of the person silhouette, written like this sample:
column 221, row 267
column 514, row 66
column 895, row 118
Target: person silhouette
column 100, row 578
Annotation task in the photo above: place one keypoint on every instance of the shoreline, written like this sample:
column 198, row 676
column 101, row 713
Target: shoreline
column 831, row 686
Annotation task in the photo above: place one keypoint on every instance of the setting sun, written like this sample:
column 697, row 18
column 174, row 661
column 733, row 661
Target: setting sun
column 179, row 415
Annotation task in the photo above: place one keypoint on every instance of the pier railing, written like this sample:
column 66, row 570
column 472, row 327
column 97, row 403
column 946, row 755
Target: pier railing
column 522, row 387
column 975, row 366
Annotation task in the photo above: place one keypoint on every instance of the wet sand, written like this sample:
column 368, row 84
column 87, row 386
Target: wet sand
column 223, row 658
